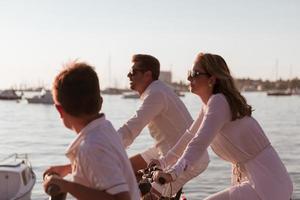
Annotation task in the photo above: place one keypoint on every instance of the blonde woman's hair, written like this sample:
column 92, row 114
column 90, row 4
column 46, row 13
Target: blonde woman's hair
column 215, row 65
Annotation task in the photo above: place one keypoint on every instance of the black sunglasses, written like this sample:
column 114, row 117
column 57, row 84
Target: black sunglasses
column 133, row 72
column 194, row 74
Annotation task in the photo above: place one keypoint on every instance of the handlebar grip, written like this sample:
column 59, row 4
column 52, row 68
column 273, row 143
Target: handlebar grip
column 53, row 190
column 162, row 180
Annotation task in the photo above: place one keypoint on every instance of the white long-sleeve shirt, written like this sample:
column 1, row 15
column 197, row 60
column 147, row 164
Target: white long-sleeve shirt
column 176, row 152
column 164, row 113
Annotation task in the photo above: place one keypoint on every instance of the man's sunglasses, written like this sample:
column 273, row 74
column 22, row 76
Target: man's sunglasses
column 194, row 74
column 133, row 72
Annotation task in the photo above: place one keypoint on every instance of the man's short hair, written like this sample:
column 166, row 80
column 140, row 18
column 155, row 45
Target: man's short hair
column 76, row 88
column 148, row 63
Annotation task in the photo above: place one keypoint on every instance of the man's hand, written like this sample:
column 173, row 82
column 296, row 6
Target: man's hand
column 154, row 162
column 150, row 196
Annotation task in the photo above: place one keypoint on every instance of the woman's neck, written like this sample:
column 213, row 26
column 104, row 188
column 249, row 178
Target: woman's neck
column 205, row 97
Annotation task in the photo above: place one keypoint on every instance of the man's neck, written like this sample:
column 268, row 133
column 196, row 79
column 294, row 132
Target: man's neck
column 142, row 90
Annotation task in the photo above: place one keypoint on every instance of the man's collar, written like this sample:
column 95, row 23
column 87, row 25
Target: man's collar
column 146, row 92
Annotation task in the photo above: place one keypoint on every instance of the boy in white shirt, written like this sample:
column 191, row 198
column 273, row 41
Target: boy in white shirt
column 98, row 161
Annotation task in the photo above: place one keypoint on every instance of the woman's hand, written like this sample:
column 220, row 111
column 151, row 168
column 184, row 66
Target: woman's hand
column 162, row 177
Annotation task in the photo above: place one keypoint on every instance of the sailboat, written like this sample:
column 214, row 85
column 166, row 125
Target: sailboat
column 45, row 97
column 9, row 95
column 279, row 92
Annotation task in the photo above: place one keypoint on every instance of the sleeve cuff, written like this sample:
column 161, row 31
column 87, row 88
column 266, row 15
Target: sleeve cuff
column 163, row 163
column 173, row 174
column 159, row 188
column 179, row 168
column 125, row 133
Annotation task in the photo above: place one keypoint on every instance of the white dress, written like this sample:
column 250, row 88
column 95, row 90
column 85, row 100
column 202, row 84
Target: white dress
column 258, row 172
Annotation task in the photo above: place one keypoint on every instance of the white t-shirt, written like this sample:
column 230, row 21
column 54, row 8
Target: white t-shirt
column 99, row 160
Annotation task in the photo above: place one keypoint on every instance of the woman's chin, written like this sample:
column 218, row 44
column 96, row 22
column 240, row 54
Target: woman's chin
column 131, row 85
column 192, row 91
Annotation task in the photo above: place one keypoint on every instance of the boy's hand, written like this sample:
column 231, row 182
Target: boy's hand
column 60, row 170
column 58, row 185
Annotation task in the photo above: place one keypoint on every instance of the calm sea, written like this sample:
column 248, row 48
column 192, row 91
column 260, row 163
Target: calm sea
column 38, row 131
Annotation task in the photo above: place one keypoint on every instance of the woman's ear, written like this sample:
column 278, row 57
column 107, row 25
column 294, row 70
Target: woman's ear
column 212, row 80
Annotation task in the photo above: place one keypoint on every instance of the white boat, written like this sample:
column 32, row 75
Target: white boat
column 296, row 91
column 112, row 91
column 130, row 95
column 16, row 177
column 286, row 92
column 9, row 95
column 179, row 93
column 45, row 97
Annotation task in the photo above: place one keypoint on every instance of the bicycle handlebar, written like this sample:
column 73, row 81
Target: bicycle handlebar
column 53, row 190
column 162, row 180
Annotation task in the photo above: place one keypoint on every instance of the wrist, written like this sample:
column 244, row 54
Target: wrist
column 65, row 186
column 155, row 193
column 172, row 173
column 68, row 171
column 162, row 162
column 157, row 189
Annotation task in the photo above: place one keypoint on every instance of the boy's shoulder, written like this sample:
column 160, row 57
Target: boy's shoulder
column 102, row 134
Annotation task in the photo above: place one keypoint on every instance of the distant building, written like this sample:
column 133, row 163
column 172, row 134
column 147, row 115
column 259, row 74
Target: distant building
column 166, row 76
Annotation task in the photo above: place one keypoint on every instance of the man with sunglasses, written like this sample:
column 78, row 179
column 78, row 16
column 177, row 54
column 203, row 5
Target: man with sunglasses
column 165, row 115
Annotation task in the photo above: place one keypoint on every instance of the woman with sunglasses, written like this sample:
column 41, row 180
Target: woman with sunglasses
column 225, row 123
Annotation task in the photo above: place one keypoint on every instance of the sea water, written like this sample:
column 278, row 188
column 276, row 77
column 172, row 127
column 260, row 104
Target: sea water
column 38, row 131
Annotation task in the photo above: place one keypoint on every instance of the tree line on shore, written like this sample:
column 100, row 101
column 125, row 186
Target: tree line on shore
column 247, row 84
column 265, row 85
column 244, row 84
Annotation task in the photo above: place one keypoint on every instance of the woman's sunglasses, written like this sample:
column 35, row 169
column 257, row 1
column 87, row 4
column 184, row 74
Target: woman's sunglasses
column 194, row 74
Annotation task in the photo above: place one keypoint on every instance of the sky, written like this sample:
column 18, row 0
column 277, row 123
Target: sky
column 258, row 38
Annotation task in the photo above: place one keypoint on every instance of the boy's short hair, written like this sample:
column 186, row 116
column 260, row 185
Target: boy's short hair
column 148, row 63
column 76, row 88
